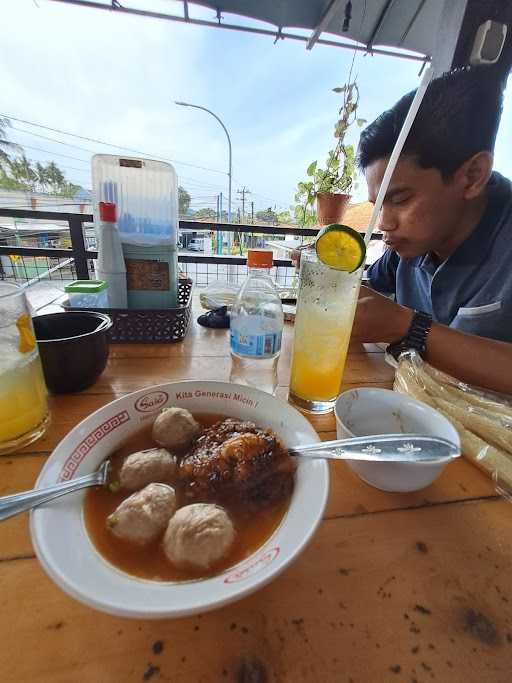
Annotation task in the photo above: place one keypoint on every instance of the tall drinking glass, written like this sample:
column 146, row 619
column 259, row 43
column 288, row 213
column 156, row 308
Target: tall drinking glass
column 23, row 404
column 323, row 323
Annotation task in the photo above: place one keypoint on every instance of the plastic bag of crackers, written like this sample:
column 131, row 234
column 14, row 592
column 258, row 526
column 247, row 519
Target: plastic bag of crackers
column 482, row 419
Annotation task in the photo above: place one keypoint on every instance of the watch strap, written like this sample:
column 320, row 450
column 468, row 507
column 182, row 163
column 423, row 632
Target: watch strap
column 416, row 337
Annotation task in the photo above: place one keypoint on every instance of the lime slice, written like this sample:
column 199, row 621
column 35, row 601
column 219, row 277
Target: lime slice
column 340, row 247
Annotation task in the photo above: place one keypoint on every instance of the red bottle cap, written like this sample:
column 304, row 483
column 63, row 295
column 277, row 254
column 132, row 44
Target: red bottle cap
column 260, row 258
column 108, row 212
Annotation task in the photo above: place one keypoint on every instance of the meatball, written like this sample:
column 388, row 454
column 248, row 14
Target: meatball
column 144, row 515
column 175, row 428
column 146, row 467
column 198, row 536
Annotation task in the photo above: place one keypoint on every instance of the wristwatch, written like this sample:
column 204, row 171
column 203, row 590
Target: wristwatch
column 416, row 337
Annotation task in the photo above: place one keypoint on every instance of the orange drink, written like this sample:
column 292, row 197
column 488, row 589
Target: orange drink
column 23, row 403
column 323, row 325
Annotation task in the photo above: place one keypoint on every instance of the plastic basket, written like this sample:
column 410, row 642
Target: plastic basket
column 150, row 326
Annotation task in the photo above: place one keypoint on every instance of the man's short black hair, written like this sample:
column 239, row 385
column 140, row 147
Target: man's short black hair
column 458, row 117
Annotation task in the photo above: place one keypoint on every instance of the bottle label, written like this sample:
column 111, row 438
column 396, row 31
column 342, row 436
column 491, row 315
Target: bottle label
column 258, row 345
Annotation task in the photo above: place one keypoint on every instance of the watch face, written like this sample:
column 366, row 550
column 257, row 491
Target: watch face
column 415, row 338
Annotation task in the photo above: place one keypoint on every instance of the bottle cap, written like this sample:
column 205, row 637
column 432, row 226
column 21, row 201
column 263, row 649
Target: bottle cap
column 108, row 212
column 260, row 258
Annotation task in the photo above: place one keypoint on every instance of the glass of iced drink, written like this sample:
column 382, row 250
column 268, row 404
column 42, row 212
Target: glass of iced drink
column 23, row 397
column 323, row 324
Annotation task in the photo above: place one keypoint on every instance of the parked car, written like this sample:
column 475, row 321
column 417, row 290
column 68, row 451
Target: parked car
column 196, row 245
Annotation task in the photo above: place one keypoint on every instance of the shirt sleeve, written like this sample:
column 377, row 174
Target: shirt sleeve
column 382, row 274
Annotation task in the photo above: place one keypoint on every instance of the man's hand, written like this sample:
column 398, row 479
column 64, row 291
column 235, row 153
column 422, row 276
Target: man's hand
column 379, row 319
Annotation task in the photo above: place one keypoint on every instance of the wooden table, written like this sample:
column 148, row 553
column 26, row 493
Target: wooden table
column 393, row 587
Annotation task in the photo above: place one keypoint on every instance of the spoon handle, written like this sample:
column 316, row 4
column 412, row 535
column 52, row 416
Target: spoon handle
column 382, row 447
column 20, row 502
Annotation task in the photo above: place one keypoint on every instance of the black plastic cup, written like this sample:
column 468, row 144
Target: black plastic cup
column 73, row 347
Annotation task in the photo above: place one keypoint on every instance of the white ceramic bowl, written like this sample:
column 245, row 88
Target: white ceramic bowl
column 362, row 412
column 67, row 554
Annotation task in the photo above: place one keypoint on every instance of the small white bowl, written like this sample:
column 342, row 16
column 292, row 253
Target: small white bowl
column 66, row 552
column 362, row 412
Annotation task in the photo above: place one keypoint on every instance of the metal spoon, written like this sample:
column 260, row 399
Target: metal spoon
column 377, row 448
column 20, row 502
column 383, row 448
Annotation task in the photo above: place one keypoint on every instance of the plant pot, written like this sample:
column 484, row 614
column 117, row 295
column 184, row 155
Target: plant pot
column 330, row 208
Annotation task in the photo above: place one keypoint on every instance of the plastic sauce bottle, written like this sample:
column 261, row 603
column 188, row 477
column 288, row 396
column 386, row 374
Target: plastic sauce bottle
column 256, row 326
column 110, row 265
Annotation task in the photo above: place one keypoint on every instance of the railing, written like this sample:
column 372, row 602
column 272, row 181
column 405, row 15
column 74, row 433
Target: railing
column 21, row 262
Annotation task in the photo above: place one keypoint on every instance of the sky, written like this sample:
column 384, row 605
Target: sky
column 115, row 78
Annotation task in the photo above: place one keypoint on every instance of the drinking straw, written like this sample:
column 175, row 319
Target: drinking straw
column 33, row 281
column 409, row 120
column 38, row 278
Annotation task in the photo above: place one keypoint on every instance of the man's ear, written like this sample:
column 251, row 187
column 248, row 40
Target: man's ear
column 473, row 175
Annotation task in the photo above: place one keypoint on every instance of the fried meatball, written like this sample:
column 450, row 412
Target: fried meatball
column 198, row 536
column 235, row 460
column 175, row 428
column 143, row 516
column 147, row 467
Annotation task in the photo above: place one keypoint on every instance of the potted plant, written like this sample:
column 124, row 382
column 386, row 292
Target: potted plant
column 331, row 186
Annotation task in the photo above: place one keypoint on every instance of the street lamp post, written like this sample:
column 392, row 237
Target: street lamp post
column 196, row 106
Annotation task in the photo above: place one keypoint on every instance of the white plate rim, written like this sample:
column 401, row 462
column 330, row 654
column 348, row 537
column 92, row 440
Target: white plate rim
column 315, row 510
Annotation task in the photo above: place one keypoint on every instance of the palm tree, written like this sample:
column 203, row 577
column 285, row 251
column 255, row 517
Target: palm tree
column 5, row 145
column 42, row 176
column 55, row 177
column 22, row 172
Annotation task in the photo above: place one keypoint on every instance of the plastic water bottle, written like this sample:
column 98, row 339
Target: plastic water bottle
column 256, row 326
column 110, row 265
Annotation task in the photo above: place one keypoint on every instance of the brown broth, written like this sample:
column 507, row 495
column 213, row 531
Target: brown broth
column 150, row 561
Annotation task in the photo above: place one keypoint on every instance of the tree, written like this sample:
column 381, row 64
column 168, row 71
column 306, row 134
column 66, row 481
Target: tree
column 8, row 183
column 21, row 174
column 55, row 177
column 42, row 176
column 183, row 201
column 205, row 215
column 20, row 169
column 69, row 190
column 284, row 218
column 5, row 145
column 267, row 216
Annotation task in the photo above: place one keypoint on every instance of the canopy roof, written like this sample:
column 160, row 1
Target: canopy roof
column 407, row 24
column 375, row 24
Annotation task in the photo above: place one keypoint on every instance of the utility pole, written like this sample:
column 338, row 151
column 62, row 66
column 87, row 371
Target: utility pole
column 220, row 236
column 252, row 213
column 243, row 192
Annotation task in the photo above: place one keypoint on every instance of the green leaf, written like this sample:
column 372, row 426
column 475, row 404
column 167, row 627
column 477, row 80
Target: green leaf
column 338, row 90
column 311, row 168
